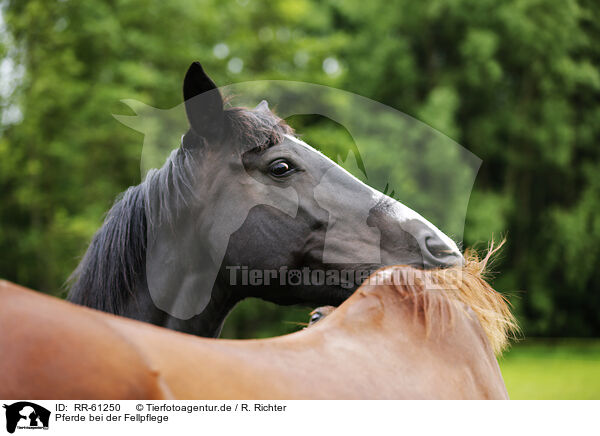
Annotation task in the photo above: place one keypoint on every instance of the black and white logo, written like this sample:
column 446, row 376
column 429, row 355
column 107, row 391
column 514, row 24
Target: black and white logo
column 26, row 415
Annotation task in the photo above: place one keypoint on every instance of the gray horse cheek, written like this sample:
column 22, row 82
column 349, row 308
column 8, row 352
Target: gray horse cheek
column 348, row 239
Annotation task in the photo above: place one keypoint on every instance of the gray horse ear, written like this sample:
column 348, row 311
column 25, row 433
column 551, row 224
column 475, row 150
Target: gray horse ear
column 263, row 106
column 203, row 103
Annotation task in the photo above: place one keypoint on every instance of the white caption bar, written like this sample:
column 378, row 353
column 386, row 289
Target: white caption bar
column 299, row 417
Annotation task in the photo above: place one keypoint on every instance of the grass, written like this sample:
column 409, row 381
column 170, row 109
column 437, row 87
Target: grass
column 565, row 369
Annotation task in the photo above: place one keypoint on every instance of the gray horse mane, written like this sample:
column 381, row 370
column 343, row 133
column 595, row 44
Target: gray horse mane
column 115, row 261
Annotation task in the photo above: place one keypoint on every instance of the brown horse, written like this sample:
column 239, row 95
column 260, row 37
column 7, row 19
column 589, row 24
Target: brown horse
column 392, row 339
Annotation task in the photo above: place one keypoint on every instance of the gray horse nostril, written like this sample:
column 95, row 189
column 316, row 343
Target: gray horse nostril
column 434, row 246
column 439, row 249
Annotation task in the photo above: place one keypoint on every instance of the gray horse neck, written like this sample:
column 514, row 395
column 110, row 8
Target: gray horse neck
column 112, row 275
column 208, row 323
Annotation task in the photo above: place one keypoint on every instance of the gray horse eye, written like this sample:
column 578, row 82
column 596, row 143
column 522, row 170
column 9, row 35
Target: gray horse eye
column 281, row 168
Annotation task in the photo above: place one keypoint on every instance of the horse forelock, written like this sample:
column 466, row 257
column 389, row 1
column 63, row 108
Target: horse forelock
column 255, row 129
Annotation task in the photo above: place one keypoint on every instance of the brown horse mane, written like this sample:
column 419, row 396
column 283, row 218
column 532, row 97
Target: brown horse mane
column 439, row 295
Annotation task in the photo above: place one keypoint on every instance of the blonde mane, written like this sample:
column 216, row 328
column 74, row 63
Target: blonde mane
column 435, row 295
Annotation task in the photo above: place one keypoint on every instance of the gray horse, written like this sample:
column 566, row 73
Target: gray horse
column 243, row 208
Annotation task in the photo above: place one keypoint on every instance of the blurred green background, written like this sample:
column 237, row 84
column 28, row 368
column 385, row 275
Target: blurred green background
column 516, row 82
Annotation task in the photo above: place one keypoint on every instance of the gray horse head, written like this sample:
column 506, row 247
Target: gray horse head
column 242, row 209
column 244, row 191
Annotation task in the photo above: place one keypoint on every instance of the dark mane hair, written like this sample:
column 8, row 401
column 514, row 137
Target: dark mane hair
column 255, row 129
column 115, row 261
